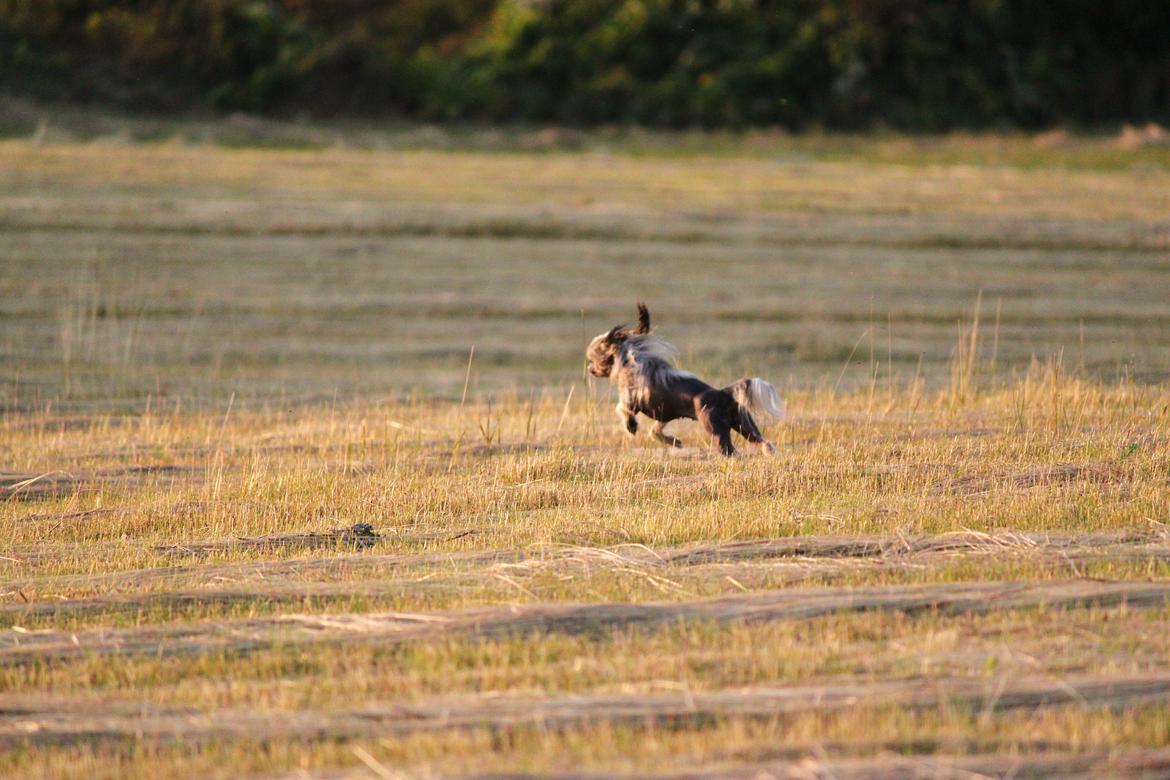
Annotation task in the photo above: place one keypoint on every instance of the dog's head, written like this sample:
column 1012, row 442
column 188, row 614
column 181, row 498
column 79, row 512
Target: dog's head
column 602, row 352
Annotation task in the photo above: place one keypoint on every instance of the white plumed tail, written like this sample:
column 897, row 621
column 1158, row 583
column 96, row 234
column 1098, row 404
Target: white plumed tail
column 758, row 396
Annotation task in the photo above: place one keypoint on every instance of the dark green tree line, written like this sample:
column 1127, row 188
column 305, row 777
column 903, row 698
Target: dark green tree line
column 926, row 65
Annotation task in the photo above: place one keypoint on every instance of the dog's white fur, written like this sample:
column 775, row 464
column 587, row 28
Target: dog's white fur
column 760, row 396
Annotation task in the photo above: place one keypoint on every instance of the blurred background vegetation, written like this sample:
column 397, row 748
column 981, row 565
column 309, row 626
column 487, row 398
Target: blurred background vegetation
column 844, row 64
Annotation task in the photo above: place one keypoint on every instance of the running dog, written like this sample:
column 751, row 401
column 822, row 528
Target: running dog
column 642, row 367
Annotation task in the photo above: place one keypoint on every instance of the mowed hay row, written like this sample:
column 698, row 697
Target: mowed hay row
column 24, row 646
column 1119, row 765
column 30, row 722
column 675, row 571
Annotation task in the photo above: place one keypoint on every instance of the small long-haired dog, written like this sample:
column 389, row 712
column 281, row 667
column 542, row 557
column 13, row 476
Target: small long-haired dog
column 642, row 366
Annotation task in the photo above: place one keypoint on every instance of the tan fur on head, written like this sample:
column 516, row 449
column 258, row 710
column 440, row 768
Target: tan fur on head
column 603, row 350
column 606, row 349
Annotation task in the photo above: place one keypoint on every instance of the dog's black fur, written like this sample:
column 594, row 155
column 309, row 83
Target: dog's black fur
column 648, row 383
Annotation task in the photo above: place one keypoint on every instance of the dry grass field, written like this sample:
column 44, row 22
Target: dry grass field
column 267, row 514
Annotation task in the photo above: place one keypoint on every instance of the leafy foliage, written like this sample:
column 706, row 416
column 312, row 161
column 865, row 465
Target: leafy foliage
column 840, row 63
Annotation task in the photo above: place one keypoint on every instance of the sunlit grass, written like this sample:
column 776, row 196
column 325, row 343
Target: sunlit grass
column 209, row 344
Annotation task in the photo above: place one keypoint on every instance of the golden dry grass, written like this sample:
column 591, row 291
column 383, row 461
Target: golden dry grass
column 957, row 561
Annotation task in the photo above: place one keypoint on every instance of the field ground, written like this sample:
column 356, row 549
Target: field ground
column 267, row 514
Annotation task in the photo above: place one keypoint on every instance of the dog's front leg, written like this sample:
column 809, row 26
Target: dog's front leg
column 656, row 430
column 628, row 418
column 750, row 431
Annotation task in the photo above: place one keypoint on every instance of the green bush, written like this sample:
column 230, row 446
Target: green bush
column 914, row 64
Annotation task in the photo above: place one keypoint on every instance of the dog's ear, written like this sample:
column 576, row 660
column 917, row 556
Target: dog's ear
column 643, row 319
column 617, row 334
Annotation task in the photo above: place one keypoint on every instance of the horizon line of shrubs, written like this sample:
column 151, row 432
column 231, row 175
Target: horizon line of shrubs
column 849, row 64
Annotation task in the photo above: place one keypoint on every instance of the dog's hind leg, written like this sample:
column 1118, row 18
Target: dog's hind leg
column 656, row 430
column 716, row 422
column 629, row 420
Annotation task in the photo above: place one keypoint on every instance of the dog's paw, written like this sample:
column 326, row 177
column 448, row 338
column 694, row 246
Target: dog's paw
column 631, row 425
